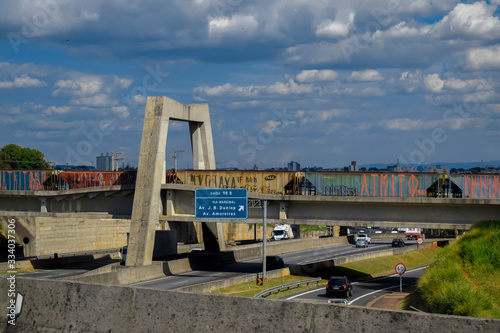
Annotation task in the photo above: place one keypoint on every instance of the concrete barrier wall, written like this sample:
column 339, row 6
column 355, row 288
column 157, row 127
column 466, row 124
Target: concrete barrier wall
column 56, row 306
column 255, row 250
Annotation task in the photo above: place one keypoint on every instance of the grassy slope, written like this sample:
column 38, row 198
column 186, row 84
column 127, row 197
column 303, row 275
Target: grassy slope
column 464, row 278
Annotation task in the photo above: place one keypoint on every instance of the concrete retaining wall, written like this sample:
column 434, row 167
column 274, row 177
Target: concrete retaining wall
column 56, row 306
column 49, row 233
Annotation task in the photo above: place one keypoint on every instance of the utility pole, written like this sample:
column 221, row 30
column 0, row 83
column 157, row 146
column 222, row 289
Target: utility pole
column 114, row 158
column 175, row 158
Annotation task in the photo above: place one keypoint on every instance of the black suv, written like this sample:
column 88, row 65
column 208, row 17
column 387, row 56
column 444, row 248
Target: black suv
column 398, row 242
column 275, row 262
column 339, row 285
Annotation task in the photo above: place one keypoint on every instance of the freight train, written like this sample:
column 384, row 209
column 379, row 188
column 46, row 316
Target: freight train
column 325, row 183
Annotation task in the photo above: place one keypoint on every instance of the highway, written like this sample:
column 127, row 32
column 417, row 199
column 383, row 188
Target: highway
column 254, row 266
column 221, row 272
column 364, row 292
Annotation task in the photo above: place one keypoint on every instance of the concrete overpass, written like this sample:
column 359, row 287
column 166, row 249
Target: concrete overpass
column 177, row 205
column 99, row 217
column 438, row 213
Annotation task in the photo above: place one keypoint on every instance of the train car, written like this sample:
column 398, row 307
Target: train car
column 261, row 181
column 376, row 184
column 26, row 180
column 83, row 179
column 478, row 186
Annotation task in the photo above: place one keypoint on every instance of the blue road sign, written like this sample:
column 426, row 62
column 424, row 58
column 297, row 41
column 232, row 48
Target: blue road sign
column 217, row 203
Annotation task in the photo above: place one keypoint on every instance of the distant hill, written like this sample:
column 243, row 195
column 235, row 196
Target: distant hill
column 457, row 165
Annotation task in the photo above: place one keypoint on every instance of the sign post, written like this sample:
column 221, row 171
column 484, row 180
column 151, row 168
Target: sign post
column 400, row 269
column 420, row 241
column 264, row 240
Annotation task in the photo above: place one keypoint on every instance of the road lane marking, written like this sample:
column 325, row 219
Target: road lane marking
column 376, row 291
column 307, row 292
column 142, row 282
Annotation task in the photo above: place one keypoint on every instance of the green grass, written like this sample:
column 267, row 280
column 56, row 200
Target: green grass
column 306, row 228
column 355, row 270
column 464, row 278
column 249, row 289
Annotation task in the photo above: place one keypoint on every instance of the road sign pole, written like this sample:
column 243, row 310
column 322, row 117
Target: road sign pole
column 401, row 283
column 264, row 240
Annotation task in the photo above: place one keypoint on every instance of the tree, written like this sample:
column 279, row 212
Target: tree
column 16, row 157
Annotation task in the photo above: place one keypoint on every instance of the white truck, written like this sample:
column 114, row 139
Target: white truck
column 367, row 238
column 282, row 231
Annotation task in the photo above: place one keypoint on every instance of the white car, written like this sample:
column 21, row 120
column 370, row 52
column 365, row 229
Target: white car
column 361, row 243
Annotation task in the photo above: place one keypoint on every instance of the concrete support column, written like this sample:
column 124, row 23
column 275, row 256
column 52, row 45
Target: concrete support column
column 151, row 171
column 148, row 185
column 283, row 210
column 43, row 205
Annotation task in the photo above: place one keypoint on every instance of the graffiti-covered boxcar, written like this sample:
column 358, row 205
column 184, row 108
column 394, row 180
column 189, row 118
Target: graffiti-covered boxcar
column 375, row 184
column 268, row 182
column 478, row 186
column 26, row 180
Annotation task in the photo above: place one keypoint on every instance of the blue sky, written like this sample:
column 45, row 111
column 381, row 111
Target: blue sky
column 318, row 82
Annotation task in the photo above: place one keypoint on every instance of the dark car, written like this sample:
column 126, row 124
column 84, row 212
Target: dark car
column 339, row 285
column 275, row 262
column 398, row 242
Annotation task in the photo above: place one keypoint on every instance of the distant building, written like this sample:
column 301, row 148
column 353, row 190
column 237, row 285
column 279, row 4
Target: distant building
column 353, row 166
column 293, row 166
column 104, row 162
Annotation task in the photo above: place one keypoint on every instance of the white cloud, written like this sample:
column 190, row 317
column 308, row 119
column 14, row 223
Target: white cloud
column 483, row 58
column 237, row 25
column 319, row 116
column 406, row 124
column 98, row 100
column 317, row 75
column 289, row 87
column 57, row 110
column 474, row 20
column 232, row 135
column 122, row 110
column 24, row 81
column 338, row 28
column 364, row 76
column 433, row 83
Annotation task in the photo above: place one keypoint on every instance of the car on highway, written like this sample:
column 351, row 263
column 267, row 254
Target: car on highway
column 361, row 243
column 339, row 285
column 275, row 262
column 398, row 242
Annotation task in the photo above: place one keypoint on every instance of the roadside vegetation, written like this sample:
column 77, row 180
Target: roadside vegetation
column 355, row 270
column 464, row 278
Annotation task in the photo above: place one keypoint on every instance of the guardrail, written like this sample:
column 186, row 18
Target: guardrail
column 286, row 286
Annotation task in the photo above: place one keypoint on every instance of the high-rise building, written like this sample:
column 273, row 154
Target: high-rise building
column 104, row 162
column 293, row 166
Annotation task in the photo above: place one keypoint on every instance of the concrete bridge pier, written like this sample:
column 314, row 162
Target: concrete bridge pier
column 147, row 197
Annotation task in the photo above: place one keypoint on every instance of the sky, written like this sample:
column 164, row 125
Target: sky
column 321, row 82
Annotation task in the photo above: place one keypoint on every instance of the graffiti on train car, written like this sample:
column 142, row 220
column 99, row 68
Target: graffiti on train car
column 23, row 180
column 75, row 179
column 340, row 190
column 254, row 181
column 481, row 186
column 372, row 184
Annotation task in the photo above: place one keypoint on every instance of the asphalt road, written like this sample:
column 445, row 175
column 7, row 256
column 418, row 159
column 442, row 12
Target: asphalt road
column 364, row 291
column 221, row 272
column 254, row 266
